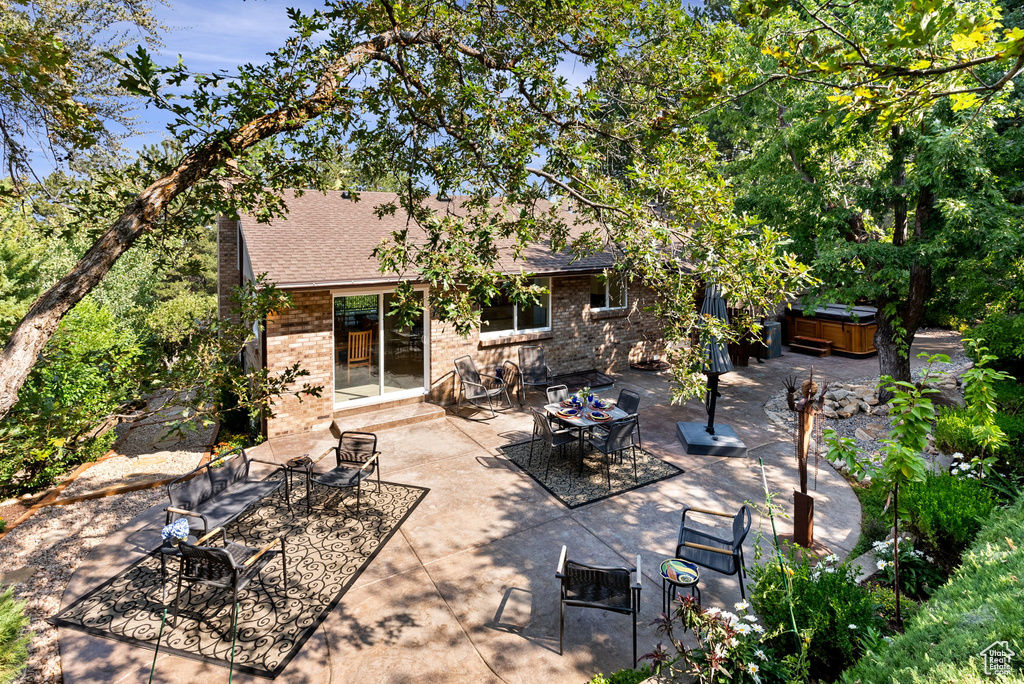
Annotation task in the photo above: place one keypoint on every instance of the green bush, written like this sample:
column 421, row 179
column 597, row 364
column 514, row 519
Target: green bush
column 13, row 637
column 827, row 602
column 945, row 513
column 626, row 676
column 953, row 434
column 1004, row 337
column 1009, row 397
column 982, row 603
column 875, row 523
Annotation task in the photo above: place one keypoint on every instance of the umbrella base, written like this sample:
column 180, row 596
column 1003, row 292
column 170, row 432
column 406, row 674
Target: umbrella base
column 725, row 441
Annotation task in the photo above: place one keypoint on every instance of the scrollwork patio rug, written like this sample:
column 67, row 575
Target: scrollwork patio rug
column 327, row 550
column 574, row 490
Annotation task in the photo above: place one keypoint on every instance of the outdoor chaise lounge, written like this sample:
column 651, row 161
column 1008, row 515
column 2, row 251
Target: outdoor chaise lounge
column 593, row 586
column 218, row 492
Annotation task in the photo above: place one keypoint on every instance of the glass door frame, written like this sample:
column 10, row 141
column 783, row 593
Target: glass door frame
column 389, row 396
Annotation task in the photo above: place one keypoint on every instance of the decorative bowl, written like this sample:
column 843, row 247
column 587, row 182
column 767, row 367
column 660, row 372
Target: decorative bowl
column 600, row 404
column 569, row 412
column 599, row 416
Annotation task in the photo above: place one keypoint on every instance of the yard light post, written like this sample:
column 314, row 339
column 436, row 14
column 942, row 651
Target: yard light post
column 712, row 439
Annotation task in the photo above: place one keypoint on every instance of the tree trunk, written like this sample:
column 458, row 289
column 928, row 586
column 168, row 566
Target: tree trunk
column 35, row 329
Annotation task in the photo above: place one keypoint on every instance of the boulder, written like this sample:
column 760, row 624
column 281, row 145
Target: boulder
column 947, row 397
column 863, row 435
column 848, row 411
column 829, row 412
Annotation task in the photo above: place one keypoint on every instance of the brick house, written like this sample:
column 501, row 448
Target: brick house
column 338, row 328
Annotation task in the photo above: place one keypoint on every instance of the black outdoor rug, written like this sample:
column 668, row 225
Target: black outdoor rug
column 326, row 552
column 574, row 490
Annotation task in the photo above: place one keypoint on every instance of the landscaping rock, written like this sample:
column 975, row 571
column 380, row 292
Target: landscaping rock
column 948, row 397
column 863, row 435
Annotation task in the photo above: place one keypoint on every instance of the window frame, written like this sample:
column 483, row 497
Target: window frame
column 608, row 296
column 515, row 330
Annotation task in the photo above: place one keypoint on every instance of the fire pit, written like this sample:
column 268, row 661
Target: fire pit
column 650, row 365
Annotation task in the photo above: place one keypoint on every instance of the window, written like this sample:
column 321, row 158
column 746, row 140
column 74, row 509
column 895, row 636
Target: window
column 607, row 292
column 502, row 317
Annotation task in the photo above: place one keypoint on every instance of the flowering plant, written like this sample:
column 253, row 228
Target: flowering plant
column 918, row 574
column 176, row 531
column 730, row 646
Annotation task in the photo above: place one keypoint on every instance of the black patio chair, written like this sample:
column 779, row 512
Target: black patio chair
column 716, row 553
column 549, row 438
column 593, row 586
column 557, row 393
column 533, row 370
column 617, row 438
column 474, row 390
column 232, row 566
column 628, row 401
column 356, row 459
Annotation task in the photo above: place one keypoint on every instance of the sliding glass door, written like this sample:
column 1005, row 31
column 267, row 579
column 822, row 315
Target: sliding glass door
column 373, row 355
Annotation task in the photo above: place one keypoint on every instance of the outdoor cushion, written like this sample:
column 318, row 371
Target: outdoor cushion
column 679, row 571
column 190, row 494
column 341, row 477
column 232, row 470
column 232, row 501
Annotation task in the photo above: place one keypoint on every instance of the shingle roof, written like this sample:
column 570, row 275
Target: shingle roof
column 327, row 239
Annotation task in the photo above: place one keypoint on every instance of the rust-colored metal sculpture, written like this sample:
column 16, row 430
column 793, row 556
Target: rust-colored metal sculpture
column 808, row 435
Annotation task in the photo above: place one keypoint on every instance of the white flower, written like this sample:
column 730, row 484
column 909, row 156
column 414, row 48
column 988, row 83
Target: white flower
column 713, row 610
column 831, row 558
column 760, row 654
column 852, row 626
column 758, row 628
column 752, row 668
column 741, row 606
column 734, row 642
column 743, row 629
column 830, row 569
column 750, row 618
column 731, row 617
column 958, row 456
column 882, row 564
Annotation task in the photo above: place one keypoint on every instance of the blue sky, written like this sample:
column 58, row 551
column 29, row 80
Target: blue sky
column 221, row 34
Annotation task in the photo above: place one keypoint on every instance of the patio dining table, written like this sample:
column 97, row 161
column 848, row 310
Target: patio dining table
column 582, row 423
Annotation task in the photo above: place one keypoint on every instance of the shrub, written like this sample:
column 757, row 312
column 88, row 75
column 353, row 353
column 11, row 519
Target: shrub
column 13, row 637
column 980, row 604
column 1004, row 336
column 827, row 602
column 875, row 522
column 945, row 513
column 625, row 676
column 953, row 434
column 918, row 574
column 1009, row 397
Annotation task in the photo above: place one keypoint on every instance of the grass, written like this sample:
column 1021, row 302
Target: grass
column 981, row 604
column 13, row 637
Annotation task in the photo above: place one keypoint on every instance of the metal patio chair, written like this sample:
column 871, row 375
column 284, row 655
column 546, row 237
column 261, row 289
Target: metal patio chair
column 356, row 459
column 617, row 439
column 232, row 566
column 474, row 389
column 593, row 586
column 549, row 438
column 713, row 552
column 533, row 371
column 628, row 401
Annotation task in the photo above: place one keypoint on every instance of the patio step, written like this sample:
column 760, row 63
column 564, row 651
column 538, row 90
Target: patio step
column 386, row 419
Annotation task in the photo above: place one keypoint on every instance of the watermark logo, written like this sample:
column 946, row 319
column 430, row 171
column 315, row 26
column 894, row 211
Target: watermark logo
column 997, row 658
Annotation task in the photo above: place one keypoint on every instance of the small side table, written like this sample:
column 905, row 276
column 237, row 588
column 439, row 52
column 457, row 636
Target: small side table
column 676, row 574
column 301, row 464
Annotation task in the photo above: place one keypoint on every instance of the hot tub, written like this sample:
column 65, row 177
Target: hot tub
column 851, row 330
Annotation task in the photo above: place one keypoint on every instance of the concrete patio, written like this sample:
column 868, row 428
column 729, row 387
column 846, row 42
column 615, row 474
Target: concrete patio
column 466, row 592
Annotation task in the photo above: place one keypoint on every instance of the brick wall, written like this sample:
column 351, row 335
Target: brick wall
column 580, row 339
column 302, row 333
column 228, row 275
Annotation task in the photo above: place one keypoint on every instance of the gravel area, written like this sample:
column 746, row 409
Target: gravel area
column 49, row 546
column 869, row 429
